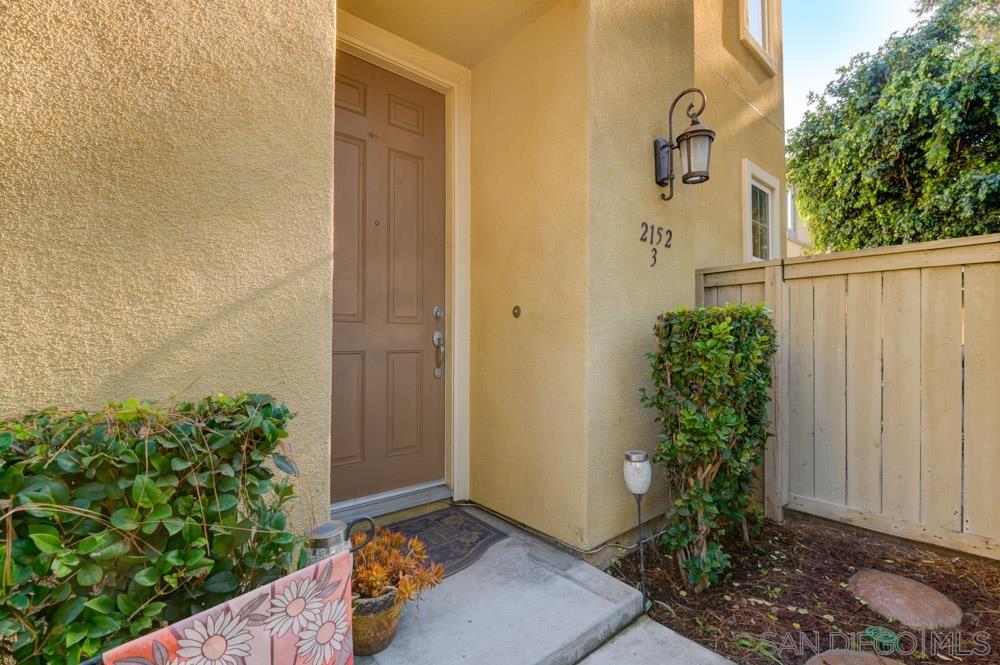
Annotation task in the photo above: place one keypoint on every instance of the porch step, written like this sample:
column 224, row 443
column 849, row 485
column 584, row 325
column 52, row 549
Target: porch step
column 524, row 602
column 646, row 642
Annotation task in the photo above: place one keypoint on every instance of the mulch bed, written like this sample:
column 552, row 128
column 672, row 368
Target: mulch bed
column 792, row 580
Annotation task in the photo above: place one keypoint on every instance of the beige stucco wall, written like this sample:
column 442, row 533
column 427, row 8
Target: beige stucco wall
column 640, row 59
column 166, row 207
column 642, row 53
column 529, row 248
column 555, row 394
column 747, row 104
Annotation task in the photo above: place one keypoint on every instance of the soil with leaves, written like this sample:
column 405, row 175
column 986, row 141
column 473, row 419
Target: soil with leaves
column 792, row 580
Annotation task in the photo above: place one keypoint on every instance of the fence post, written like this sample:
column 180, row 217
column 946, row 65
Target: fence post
column 776, row 448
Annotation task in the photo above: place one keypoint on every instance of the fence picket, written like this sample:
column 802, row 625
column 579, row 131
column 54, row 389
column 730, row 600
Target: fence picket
column 864, row 391
column 801, row 385
column 941, row 397
column 829, row 295
column 752, row 294
column 901, row 395
column 729, row 295
column 982, row 388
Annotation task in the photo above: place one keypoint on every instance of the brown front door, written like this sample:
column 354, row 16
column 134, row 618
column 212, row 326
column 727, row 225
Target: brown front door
column 388, row 282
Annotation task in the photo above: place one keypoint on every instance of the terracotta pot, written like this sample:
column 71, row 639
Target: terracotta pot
column 375, row 622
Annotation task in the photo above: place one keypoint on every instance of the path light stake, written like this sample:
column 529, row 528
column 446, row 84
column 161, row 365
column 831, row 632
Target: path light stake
column 694, row 145
column 638, row 476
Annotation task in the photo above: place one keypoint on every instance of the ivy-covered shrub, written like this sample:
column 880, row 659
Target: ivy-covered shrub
column 711, row 375
column 904, row 145
column 121, row 521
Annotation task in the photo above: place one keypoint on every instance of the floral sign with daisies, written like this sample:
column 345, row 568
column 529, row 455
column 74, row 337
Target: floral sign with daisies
column 301, row 619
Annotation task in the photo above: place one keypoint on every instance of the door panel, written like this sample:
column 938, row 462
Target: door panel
column 405, row 183
column 405, row 393
column 348, row 408
column 389, row 273
column 349, row 252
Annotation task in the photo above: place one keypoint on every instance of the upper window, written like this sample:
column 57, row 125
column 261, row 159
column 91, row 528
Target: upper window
column 762, row 214
column 756, row 30
column 757, row 21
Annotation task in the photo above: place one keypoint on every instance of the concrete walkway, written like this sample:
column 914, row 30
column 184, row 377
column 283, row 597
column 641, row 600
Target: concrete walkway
column 646, row 642
column 526, row 602
column 523, row 602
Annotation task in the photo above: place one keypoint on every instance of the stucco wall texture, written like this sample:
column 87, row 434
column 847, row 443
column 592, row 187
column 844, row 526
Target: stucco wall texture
column 642, row 53
column 166, row 207
column 563, row 119
column 529, row 248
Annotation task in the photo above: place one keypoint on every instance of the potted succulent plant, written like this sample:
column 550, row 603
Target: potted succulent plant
column 389, row 571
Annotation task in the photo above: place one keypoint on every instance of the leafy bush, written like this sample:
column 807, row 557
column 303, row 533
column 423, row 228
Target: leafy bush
column 904, row 145
column 711, row 376
column 124, row 520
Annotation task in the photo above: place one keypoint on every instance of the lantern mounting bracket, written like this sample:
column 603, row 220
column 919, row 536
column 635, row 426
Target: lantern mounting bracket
column 663, row 148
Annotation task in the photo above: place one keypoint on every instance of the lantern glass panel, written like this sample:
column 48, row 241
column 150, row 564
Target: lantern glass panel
column 701, row 150
column 682, row 147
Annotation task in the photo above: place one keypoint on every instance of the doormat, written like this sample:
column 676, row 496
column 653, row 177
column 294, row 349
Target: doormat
column 453, row 537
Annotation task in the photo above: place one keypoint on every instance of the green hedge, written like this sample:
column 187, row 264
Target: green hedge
column 121, row 521
column 711, row 376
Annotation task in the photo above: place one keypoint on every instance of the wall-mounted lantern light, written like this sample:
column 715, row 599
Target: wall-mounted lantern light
column 694, row 145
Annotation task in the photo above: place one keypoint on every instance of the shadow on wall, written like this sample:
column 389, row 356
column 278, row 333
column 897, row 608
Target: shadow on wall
column 266, row 328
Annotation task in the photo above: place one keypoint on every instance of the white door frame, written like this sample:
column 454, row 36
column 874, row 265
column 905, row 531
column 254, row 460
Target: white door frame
column 380, row 47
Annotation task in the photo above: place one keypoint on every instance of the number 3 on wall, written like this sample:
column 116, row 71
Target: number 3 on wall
column 657, row 236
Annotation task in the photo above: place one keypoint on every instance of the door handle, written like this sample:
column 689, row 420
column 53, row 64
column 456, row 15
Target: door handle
column 437, row 339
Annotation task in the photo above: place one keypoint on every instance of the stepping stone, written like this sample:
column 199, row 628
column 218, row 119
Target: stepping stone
column 909, row 602
column 848, row 657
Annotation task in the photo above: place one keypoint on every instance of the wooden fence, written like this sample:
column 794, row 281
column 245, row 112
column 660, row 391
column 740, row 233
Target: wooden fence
column 886, row 401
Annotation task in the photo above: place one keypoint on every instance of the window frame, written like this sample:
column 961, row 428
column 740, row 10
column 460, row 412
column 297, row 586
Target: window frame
column 764, row 53
column 753, row 175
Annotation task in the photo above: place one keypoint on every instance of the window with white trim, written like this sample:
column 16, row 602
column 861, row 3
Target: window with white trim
column 760, row 222
column 757, row 27
column 757, row 21
column 761, row 214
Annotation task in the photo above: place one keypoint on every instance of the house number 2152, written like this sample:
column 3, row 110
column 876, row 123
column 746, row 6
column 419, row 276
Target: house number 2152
column 656, row 237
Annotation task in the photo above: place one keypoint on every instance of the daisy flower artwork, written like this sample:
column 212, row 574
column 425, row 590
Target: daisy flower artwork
column 301, row 619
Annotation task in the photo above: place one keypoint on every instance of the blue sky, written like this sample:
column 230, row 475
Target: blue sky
column 822, row 35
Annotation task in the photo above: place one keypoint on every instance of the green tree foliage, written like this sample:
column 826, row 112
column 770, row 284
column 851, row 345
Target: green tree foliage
column 118, row 522
column 711, row 374
column 905, row 145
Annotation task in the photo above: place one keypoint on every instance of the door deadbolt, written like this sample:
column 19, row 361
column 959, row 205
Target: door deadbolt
column 437, row 313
